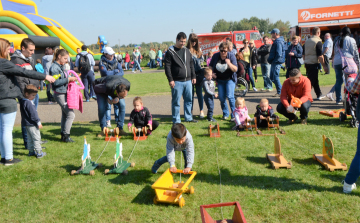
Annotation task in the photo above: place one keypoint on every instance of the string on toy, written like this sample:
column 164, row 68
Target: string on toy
column 218, row 166
column 252, row 132
column 133, row 148
column 181, row 164
column 103, row 149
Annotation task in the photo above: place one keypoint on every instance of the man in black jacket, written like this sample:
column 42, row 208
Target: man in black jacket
column 110, row 89
column 263, row 53
column 22, row 58
column 180, row 72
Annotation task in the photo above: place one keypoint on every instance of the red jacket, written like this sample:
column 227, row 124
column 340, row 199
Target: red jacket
column 127, row 58
column 301, row 90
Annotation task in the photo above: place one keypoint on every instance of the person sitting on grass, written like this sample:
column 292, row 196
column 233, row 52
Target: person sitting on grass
column 300, row 87
column 31, row 121
column 264, row 110
column 178, row 139
column 240, row 114
column 111, row 90
column 209, row 87
column 141, row 117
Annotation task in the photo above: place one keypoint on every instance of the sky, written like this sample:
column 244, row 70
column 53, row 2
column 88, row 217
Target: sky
column 160, row 20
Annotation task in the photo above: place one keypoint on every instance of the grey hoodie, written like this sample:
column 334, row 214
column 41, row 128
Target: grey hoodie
column 172, row 146
column 46, row 63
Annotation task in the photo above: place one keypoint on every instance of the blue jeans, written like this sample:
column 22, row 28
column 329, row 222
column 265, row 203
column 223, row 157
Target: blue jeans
column 226, row 90
column 182, row 88
column 160, row 63
column 126, row 65
column 199, row 93
column 152, row 63
column 119, row 109
column 354, row 171
column 164, row 159
column 275, row 76
column 136, row 64
column 265, row 70
column 304, row 111
column 249, row 70
column 209, row 101
column 23, row 128
column 7, row 121
column 87, row 80
column 339, row 81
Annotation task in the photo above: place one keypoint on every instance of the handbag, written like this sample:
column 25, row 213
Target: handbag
column 348, row 64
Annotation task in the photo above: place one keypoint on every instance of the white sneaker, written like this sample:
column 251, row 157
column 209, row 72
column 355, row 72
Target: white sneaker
column 108, row 124
column 133, row 72
column 254, row 88
column 202, row 115
column 347, row 188
column 330, row 96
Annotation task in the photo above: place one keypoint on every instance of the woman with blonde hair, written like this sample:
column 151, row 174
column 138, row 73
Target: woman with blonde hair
column 194, row 47
column 10, row 90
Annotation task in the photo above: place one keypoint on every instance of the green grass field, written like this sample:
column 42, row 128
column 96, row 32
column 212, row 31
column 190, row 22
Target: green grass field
column 42, row 190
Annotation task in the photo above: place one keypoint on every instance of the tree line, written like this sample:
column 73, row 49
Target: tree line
column 263, row 25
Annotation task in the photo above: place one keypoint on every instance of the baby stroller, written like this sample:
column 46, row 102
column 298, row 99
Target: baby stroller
column 350, row 104
column 241, row 87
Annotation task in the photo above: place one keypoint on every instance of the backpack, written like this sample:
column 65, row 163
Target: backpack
column 84, row 63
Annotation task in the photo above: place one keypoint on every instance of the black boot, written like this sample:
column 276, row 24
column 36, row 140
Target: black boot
column 67, row 138
column 62, row 136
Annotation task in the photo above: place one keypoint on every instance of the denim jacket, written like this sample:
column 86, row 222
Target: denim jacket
column 61, row 84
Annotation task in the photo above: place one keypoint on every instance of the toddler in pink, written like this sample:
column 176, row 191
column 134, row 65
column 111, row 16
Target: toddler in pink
column 240, row 113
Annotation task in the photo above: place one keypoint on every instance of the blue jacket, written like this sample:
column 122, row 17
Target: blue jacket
column 293, row 61
column 29, row 115
column 61, row 84
column 230, row 56
column 39, row 68
column 277, row 52
column 108, row 68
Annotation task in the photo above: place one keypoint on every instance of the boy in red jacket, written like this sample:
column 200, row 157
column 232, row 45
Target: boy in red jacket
column 300, row 87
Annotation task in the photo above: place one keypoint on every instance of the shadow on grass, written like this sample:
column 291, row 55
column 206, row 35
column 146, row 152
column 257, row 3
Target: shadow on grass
column 70, row 167
column 258, row 160
column 134, row 176
column 145, row 196
column 337, row 176
column 306, row 161
column 263, row 182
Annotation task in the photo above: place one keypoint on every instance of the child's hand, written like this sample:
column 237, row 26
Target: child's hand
column 150, row 127
column 40, row 126
column 216, row 95
column 262, row 117
column 173, row 169
column 129, row 127
column 187, row 170
column 115, row 100
column 109, row 101
column 72, row 79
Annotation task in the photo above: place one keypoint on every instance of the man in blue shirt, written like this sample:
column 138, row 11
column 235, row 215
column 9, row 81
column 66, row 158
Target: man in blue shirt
column 327, row 51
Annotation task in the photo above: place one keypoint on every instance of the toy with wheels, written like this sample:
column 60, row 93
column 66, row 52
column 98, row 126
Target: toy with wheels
column 139, row 133
column 87, row 166
column 277, row 159
column 241, row 87
column 238, row 216
column 120, row 165
column 167, row 191
column 214, row 134
column 274, row 123
column 327, row 157
column 114, row 131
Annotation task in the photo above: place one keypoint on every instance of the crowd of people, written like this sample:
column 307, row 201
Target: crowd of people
column 186, row 76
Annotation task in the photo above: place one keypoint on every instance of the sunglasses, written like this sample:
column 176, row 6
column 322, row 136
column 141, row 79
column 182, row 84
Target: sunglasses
column 246, row 42
column 223, row 51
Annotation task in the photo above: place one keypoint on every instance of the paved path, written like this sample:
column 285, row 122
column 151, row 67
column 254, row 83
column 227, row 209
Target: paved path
column 160, row 106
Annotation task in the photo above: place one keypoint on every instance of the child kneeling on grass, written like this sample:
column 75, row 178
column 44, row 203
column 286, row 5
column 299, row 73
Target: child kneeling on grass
column 31, row 120
column 178, row 139
column 264, row 110
column 141, row 117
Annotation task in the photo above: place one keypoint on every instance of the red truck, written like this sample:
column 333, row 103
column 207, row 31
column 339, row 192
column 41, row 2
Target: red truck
column 211, row 41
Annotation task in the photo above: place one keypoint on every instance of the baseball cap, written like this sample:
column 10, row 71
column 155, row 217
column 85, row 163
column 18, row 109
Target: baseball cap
column 109, row 50
column 277, row 31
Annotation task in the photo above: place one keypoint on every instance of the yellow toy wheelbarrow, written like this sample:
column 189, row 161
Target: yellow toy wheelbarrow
column 167, row 191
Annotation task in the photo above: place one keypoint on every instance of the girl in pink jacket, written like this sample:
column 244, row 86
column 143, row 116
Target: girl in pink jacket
column 240, row 113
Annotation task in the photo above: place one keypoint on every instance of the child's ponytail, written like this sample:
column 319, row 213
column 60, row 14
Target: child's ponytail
column 59, row 52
